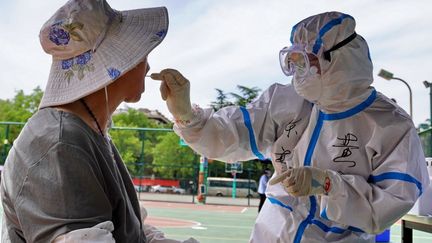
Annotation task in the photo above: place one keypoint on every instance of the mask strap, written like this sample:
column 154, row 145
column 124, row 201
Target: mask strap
column 327, row 55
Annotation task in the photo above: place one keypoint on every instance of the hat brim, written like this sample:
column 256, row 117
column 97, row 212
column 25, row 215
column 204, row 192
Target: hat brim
column 126, row 44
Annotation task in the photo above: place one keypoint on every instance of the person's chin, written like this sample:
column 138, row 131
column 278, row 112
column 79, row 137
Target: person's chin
column 133, row 99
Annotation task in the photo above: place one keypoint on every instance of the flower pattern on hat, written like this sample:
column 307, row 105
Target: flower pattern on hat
column 58, row 35
column 113, row 73
column 159, row 35
column 66, row 64
column 79, row 28
column 61, row 33
column 79, row 64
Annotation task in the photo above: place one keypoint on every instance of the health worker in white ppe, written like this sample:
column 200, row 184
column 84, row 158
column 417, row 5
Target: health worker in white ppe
column 348, row 161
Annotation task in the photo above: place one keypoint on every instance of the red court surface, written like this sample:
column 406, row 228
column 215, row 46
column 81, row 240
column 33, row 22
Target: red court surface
column 201, row 207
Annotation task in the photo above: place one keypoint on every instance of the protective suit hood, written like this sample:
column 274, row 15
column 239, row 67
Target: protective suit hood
column 345, row 80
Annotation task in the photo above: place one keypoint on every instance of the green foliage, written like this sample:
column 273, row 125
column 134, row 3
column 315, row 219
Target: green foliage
column 129, row 147
column 171, row 160
column 134, row 146
column 157, row 151
column 217, row 169
column 133, row 118
column 18, row 109
column 247, row 95
column 21, row 107
column 221, row 101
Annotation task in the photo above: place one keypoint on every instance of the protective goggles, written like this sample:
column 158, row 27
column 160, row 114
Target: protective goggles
column 299, row 60
column 295, row 60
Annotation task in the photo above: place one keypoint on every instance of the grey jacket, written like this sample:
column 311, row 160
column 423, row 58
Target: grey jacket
column 60, row 176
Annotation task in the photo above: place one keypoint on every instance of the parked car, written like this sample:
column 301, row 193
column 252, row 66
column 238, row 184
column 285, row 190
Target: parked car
column 159, row 188
column 167, row 189
column 141, row 188
column 178, row 190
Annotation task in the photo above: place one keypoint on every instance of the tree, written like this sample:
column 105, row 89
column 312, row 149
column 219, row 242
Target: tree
column 247, row 95
column 21, row 107
column 221, row 100
column 18, row 109
column 171, row 160
column 130, row 142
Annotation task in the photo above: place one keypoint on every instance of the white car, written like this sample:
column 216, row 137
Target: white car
column 178, row 190
column 167, row 189
column 140, row 188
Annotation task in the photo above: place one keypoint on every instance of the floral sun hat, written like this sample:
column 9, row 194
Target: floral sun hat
column 92, row 45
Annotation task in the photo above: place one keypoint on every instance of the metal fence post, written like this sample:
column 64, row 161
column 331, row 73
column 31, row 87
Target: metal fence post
column 6, row 143
column 249, row 181
column 194, row 180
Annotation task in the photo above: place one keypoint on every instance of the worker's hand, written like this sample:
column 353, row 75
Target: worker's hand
column 175, row 91
column 304, row 181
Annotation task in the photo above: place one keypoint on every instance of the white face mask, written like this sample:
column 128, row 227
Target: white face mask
column 309, row 86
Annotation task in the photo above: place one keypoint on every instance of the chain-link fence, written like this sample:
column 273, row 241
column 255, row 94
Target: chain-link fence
column 164, row 168
column 8, row 133
column 426, row 140
column 161, row 166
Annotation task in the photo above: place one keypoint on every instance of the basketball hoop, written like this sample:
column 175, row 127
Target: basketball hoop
column 234, row 168
column 233, row 173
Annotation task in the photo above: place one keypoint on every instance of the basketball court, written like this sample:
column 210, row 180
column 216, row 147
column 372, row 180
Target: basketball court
column 220, row 223
column 206, row 223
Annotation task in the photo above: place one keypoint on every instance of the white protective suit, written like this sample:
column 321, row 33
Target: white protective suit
column 367, row 144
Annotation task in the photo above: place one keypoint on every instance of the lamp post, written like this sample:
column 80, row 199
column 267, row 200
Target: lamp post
column 389, row 76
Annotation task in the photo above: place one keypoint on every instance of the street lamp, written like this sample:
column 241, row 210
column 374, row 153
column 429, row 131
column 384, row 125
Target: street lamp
column 429, row 85
column 389, row 76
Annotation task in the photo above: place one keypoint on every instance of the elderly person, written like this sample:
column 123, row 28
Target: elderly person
column 348, row 161
column 64, row 180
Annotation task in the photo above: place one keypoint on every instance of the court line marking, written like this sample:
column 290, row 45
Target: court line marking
column 207, row 237
column 195, row 223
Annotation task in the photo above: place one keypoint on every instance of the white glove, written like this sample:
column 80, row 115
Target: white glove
column 100, row 233
column 154, row 235
column 175, row 90
column 144, row 213
column 304, row 181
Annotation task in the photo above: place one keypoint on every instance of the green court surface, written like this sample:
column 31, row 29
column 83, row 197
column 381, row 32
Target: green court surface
column 220, row 224
column 231, row 224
